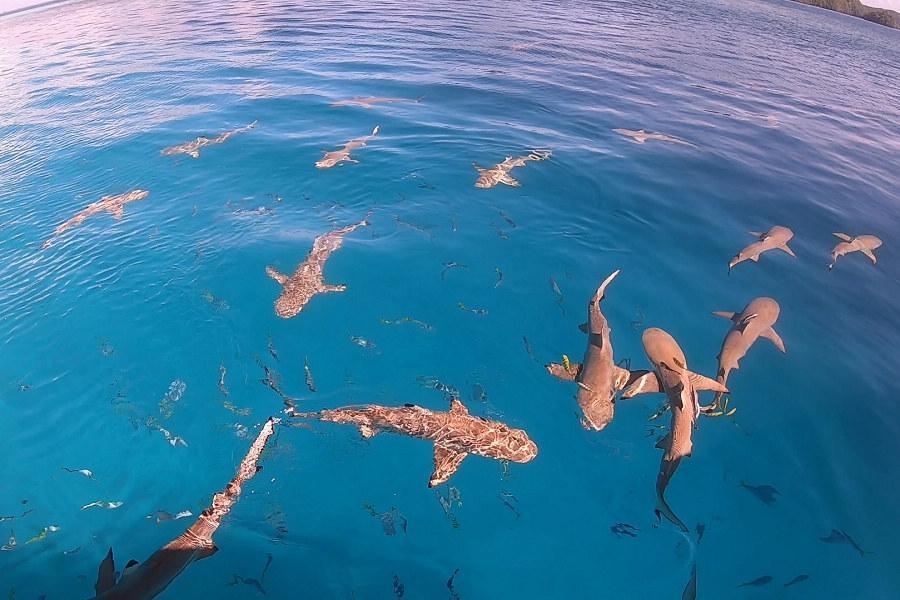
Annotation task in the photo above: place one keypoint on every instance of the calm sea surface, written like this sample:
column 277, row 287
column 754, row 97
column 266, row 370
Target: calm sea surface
column 793, row 114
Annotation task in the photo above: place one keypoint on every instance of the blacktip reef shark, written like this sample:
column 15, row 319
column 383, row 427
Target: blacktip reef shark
column 336, row 157
column 776, row 238
column 640, row 136
column 598, row 377
column 867, row 244
column 671, row 376
column 499, row 173
column 115, row 205
column 755, row 321
column 370, row 101
column 192, row 149
column 455, row 433
column 150, row 578
column 308, row 280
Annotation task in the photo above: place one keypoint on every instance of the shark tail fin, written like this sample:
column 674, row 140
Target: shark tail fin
column 666, row 471
column 601, row 291
column 842, row 236
column 106, row 574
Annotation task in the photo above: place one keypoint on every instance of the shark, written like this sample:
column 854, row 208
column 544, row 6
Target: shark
column 640, row 136
column 867, row 244
column 370, row 101
column 597, row 376
column 670, row 375
column 308, row 279
column 755, row 321
column 499, row 173
column 455, row 433
column 336, row 157
column 192, row 148
column 142, row 581
column 776, row 238
column 114, row 205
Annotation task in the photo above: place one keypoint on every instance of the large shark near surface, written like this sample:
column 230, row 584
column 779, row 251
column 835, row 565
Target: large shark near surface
column 115, row 205
column 499, row 173
column 671, row 376
column 192, row 148
column 455, row 433
column 598, row 377
column 335, row 157
column 867, row 244
column 640, row 136
column 142, row 581
column 776, row 238
column 755, row 321
column 370, row 101
column 308, row 279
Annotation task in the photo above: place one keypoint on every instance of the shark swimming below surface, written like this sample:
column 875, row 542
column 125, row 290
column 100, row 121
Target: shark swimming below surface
column 640, row 136
column 335, row 157
column 370, row 101
column 192, row 148
column 115, row 205
column 776, row 238
column 455, row 433
column 499, row 173
column 867, row 244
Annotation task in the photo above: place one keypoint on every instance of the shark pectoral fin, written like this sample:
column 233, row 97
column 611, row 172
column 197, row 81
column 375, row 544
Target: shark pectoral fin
column 645, row 384
column 117, row 212
column 663, row 442
column 786, row 248
column 367, row 431
column 106, row 574
column 558, row 370
column 842, row 236
column 869, row 254
column 509, row 180
column 130, row 566
column 446, row 462
column 701, row 383
column 457, row 407
column 725, row 314
column 584, row 327
column 771, row 334
column 478, row 168
column 193, row 153
column 207, row 551
column 279, row 277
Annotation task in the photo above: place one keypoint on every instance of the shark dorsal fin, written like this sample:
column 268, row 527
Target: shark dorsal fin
column 106, row 574
column 446, row 462
column 457, row 407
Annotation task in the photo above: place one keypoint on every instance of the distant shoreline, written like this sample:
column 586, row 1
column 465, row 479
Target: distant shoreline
column 855, row 8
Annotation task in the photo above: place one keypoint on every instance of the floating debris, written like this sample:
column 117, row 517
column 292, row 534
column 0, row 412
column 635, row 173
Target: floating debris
column 453, row 594
column 399, row 588
column 765, row 493
column 270, row 346
column 621, row 529
column 499, row 277
column 11, row 544
column 796, row 580
column 433, row 383
column 510, row 502
column 42, row 535
column 162, row 516
column 403, row 320
column 839, row 536
column 451, row 265
column 481, row 312
column 173, row 395
column 759, row 581
column 103, row 504
column 389, row 520
column 215, row 301
column 85, row 472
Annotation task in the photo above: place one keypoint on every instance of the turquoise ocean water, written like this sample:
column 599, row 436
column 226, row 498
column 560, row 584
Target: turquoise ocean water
column 794, row 115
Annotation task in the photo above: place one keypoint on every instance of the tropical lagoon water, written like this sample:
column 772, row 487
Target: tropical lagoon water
column 114, row 338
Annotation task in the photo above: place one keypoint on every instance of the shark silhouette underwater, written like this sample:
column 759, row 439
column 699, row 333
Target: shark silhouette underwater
column 114, row 205
column 142, row 581
column 455, row 433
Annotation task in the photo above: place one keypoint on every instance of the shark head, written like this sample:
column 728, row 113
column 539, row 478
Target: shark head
column 326, row 163
column 518, row 447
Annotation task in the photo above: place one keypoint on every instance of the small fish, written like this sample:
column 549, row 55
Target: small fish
column 153, row 424
column 796, row 580
column 11, row 544
column 450, row 392
column 499, row 277
column 403, row 320
column 839, row 536
column 759, row 581
column 765, row 493
column 399, row 588
column 363, row 343
column 455, row 496
column 72, row 551
column 506, row 218
column 401, row 223
column 24, row 387
column 103, row 504
column 510, row 502
column 106, row 349
column 500, row 233
column 222, row 372
column 447, row 505
column 270, row 346
column 453, row 594
column 271, row 381
column 215, row 301
column 478, row 393
column 663, row 409
column 237, row 579
column 528, row 349
column 560, row 299
column 621, row 529
column 42, row 535
column 389, row 520
column 173, row 395
column 308, row 374
column 86, row 472
column 452, row 265
column 481, row 312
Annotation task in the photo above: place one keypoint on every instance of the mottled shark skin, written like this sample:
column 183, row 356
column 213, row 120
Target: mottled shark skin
column 598, row 377
column 114, row 205
column 370, row 101
column 308, row 280
column 455, row 433
column 867, row 244
column 499, row 173
column 671, row 376
column 335, row 157
column 776, row 238
column 755, row 321
column 640, row 136
column 149, row 579
column 192, row 149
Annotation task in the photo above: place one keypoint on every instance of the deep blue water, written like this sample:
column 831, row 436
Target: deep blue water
column 794, row 112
